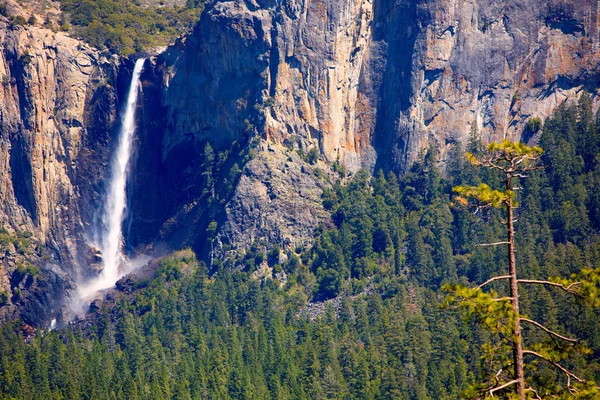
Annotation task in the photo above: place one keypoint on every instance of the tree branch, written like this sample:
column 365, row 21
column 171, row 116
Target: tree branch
column 496, row 278
column 491, row 244
column 557, row 365
column 567, row 289
column 552, row 333
column 507, row 384
column 537, row 395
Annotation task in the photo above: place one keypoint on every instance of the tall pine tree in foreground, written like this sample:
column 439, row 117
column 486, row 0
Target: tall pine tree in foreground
column 506, row 357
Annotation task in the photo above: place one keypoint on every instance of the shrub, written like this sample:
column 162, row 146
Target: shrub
column 22, row 245
column 211, row 230
column 534, row 125
column 4, row 297
column 313, row 156
column 25, row 270
column 339, row 168
column 277, row 269
column 18, row 20
column 260, row 258
column 273, row 256
column 24, row 234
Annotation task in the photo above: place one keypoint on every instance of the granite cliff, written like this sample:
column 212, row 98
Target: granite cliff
column 368, row 83
column 58, row 103
column 359, row 83
column 377, row 81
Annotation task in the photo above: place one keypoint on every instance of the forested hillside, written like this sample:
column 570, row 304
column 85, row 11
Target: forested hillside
column 230, row 333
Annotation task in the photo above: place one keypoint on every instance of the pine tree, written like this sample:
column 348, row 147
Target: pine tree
column 501, row 315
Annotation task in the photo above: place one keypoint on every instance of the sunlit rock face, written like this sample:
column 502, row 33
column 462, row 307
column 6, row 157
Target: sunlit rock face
column 498, row 63
column 57, row 108
column 376, row 81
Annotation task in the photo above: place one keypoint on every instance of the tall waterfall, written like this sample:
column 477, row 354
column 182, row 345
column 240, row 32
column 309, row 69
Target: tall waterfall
column 110, row 240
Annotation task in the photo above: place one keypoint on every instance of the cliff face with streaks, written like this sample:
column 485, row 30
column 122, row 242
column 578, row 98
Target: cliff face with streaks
column 377, row 81
column 369, row 83
column 57, row 108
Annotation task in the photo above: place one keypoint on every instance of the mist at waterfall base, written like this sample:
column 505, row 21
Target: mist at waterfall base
column 108, row 237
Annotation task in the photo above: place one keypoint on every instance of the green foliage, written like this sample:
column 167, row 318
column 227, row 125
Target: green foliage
column 501, row 315
column 212, row 229
column 496, row 314
column 127, row 27
column 21, row 241
column 18, row 20
column 339, row 168
column 584, row 285
column 484, row 195
column 4, row 298
column 313, row 156
column 534, row 125
column 24, row 271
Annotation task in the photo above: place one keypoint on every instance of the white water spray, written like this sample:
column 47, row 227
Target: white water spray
column 110, row 239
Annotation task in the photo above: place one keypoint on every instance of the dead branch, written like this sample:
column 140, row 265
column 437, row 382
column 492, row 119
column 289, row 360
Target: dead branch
column 496, row 278
column 491, row 244
column 507, row 384
column 568, row 373
column 567, row 289
column 550, row 332
column 537, row 395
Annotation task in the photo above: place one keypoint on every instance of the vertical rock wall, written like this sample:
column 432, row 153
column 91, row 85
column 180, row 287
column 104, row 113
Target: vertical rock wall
column 57, row 109
column 377, row 81
column 369, row 83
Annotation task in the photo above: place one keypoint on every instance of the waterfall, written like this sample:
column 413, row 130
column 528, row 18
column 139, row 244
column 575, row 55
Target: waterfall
column 110, row 235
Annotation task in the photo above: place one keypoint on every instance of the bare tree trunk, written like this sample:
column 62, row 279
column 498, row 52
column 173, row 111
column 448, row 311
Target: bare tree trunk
column 514, row 294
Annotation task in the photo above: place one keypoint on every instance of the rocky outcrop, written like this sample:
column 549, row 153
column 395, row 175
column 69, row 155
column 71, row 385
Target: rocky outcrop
column 277, row 201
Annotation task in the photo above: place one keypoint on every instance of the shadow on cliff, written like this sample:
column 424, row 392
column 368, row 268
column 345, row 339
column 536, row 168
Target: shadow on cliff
column 395, row 44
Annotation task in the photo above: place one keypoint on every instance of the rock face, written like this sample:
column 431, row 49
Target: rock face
column 378, row 81
column 57, row 108
column 369, row 83
column 277, row 201
column 498, row 63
